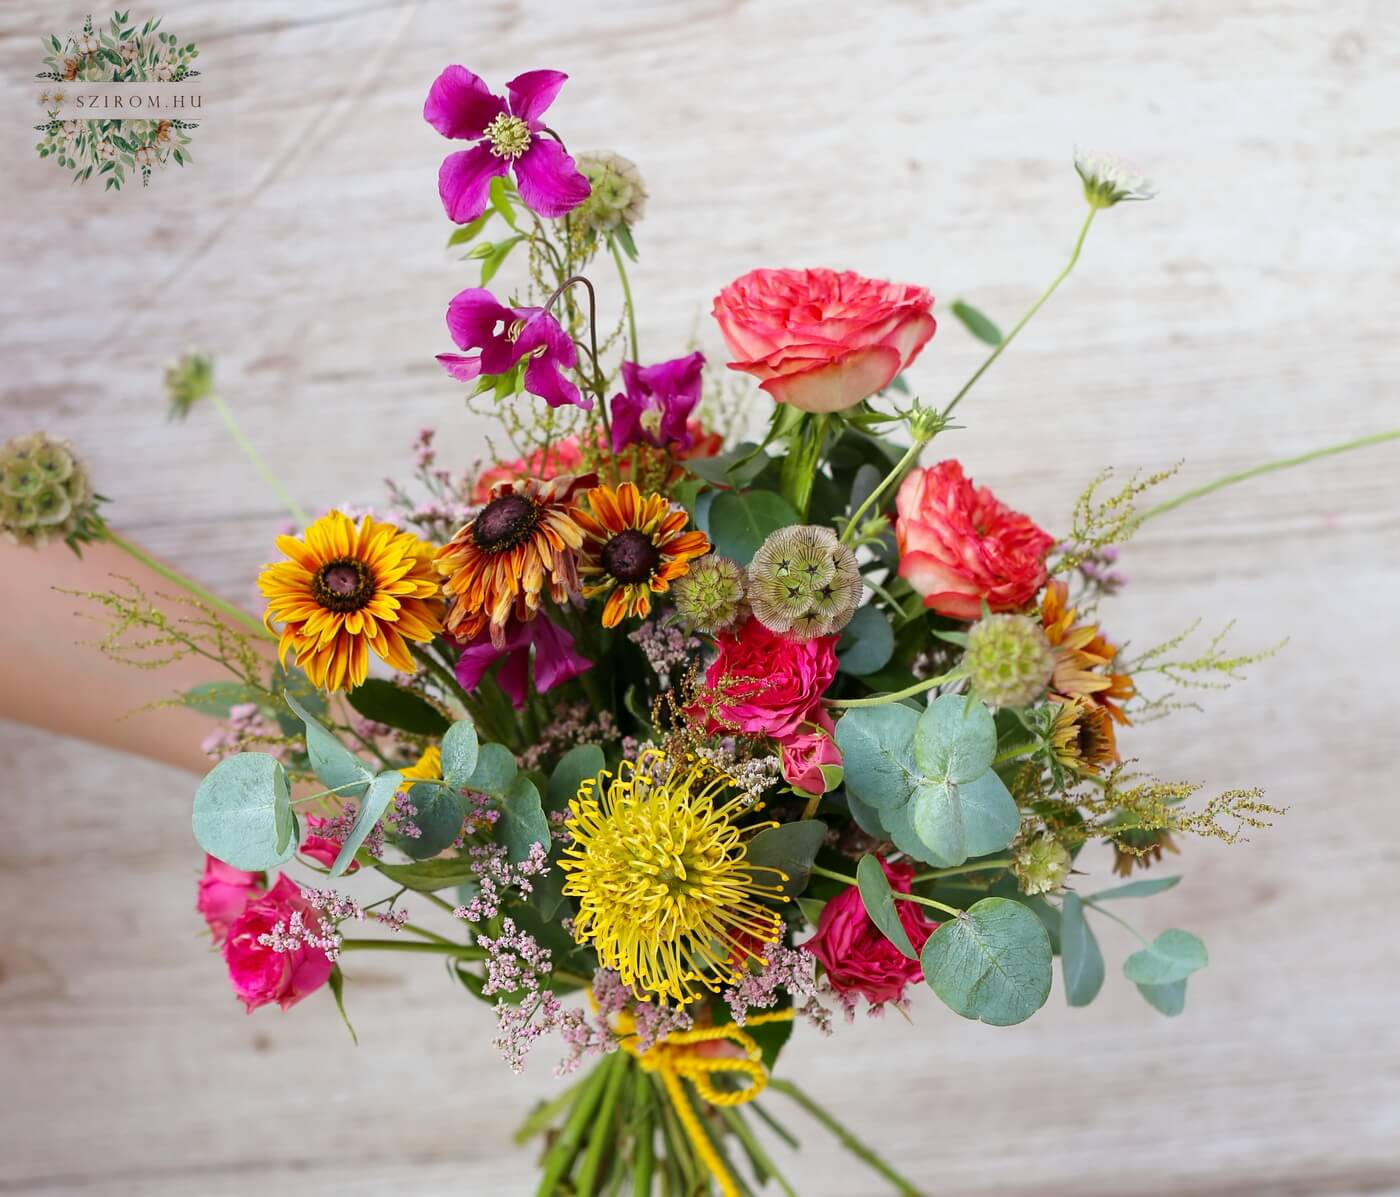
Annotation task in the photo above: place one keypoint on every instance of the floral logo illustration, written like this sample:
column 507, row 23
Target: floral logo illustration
column 111, row 147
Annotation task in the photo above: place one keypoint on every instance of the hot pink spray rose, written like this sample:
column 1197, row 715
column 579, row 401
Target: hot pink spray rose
column 959, row 545
column 822, row 340
column 322, row 848
column 811, row 761
column 858, row 959
column 259, row 974
column 767, row 684
column 224, row 893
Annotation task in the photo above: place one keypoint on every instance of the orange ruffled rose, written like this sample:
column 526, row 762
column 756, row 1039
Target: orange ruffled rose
column 960, row 546
column 822, row 340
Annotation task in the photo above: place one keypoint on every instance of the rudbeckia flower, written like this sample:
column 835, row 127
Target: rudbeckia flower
column 502, row 336
column 508, row 135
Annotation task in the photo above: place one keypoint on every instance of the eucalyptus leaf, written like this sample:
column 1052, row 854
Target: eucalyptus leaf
column 1136, row 889
column 429, row 876
column 1172, row 956
column 1081, row 961
column 522, row 823
column 866, row 643
column 956, row 739
column 976, row 323
column 577, row 765
column 956, row 822
column 495, row 770
column 992, row 963
column 877, row 750
column 811, row 909
column 740, row 523
column 336, row 766
column 1168, row 999
column 879, row 900
column 376, row 801
column 460, row 754
column 791, row 848
column 439, row 812
column 737, row 467
column 243, row 814
column 396, row 707
column 867, row 817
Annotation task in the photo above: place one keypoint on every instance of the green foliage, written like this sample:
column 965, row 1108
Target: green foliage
column 956, row 739
column 461, row 753
column 879, row 900
column 336, row 766
column 1081, row 961
column 440, row 811
column 1136, row 889
column 1168, row 999
column 737, row 467
column 976, row 323
column 217, row 698
column 866, row 643
column 429, row 876
column 243, row 813
column 956, row 821
column 337, row 983
column 1172, row 956
column 992, row 963
column 369, row 811
column 495, row 770
column 877, row 748
column 577, row 765
column 791, row 848
column 396, row 707
column 740, row 523
column 522, row 823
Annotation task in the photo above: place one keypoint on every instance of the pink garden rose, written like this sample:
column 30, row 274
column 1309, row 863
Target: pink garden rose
column 822, row 340
column 959, row 545
column 224, row 893
column 858, row 959
column 763, row 683
column 322, row 848
column 811, row 761
column 259, row 974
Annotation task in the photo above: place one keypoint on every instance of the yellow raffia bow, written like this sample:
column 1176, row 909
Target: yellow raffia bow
column 675, row 1058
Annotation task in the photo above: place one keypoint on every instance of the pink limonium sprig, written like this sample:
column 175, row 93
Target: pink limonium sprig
column 495, row 875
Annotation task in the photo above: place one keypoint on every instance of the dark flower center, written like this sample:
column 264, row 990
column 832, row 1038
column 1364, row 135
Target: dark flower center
column 343, row 585
column 630, row 556
column 504, row 523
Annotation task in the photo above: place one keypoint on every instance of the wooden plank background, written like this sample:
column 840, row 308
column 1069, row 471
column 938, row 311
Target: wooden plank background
column 1247, row 313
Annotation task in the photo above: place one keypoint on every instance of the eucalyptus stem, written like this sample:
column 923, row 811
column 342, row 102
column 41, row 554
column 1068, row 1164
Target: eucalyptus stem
column 910, row 455
column 627, row 298
column 275, row 483
column 879, row 700
column 818, row 871
column 846, row 1139
column 1268, row 467
column 1122, row 922
column 209, row 599
column 754, row 1149
column 538, row 1121
column 1024, row 320
column 958, row 870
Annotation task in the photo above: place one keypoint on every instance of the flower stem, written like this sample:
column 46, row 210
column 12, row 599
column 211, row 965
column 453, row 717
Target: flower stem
column 818, row 871
column 604, row 1133
column 256, row 458
column 1268, row 467
column 879, row 700
column 845, row 1138
column 466, row 951
column 644, row 1161
column 599, row 383
column 1024, row 320
column 910, row 455
column 1122, row 922
column 561, row 1156
column 627, row 298
column 975, row 867
column 251, row 622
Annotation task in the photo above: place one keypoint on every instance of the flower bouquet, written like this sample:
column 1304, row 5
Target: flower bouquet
column 680, row 739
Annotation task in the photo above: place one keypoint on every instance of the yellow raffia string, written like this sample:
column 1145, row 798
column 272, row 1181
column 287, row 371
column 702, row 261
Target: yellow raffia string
column 674, row 1059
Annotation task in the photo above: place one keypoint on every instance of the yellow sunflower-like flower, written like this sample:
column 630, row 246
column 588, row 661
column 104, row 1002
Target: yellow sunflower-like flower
column 347, row 590
column 1083, row 656
column 636, row 547
column 1082, row 735
column 658, row 865
column 497, row 564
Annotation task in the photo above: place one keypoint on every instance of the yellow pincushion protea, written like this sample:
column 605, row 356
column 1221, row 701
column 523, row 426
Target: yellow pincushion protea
column 348, row 589
column 658, row 866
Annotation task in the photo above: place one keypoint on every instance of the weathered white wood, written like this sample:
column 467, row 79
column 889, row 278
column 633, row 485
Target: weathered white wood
column 1246, row 313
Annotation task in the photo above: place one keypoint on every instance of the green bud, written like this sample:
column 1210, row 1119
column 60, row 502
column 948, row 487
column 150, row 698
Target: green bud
column 44, row 493
column 1041, row 865
column 1008, row 660
column 710, row 597
column 188, row 380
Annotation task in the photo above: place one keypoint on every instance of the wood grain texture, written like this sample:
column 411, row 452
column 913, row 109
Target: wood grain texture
column 1246, row 313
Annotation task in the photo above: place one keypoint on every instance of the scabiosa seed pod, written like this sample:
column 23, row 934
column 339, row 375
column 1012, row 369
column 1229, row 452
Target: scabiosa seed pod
column 804, row 583
column 1009, row 661
column 44, row 493
column 618, row 195
column 1041, row 865
column 188, row 379
column 710, row 597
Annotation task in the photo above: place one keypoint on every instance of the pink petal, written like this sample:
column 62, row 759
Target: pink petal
column 840, row 384
column 533, row 92
column 544, row 378
column 464, row 181
column 549, row 182
column 473, row 317
column 460, row 105
column 465, row 369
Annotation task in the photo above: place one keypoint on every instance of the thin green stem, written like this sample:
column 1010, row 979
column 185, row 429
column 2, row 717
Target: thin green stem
column 758, row 1157
column 846, row 1139
column 599, row 383
column 818, row 871
column 1268, row 467
column 566, row 1148
column 465, row 951
column 275, row 483
column 879, row 700
column 251, row 622
column 1133, row 931
column 349, row 785
column 627, row 298
column 957, row 870
column 911, row 455
column 1024, row 320
column 604, row 1133
column 1010, row 754
column 539, row 1119
column 644, row 1161
column 436, row 901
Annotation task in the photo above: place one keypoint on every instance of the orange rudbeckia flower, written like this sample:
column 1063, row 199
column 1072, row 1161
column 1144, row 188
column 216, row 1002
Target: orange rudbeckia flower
column 1084, row 657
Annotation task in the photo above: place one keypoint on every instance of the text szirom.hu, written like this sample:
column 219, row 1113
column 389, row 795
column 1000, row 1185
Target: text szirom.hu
column 90, row 103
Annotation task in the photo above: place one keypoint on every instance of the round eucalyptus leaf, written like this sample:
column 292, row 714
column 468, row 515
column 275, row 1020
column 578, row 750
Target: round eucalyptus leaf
column 439, row 811
column 879, row 900
column 867, row 817
column 739, row 523
column 1081, row 961
column 791, row 848
column 866, row 643
column 956, row 739
column 522, row 823
column 460, row 750
column 336, row 766
column 1168, row 999
column 495, row 770
column 574, row 768
column 243, row 814
column 956, row 822
column 877, row 750
column 992, row 963
column 1172, row 956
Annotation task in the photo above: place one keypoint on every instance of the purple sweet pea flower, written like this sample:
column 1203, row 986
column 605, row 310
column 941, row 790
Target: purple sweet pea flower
column 478, row 320
column 555, row 659
column 507, row 133
column 658, row 403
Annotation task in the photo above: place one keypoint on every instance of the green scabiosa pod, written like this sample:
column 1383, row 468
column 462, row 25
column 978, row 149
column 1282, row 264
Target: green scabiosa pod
column 1008, row 660
column 804, row 583
column 710, row 597
column 45, row 494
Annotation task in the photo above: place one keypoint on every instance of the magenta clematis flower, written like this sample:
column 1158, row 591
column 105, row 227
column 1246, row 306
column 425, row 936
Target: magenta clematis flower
column 508, row 134
column 658, row 403
column 556, row 660
column 502, row 336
